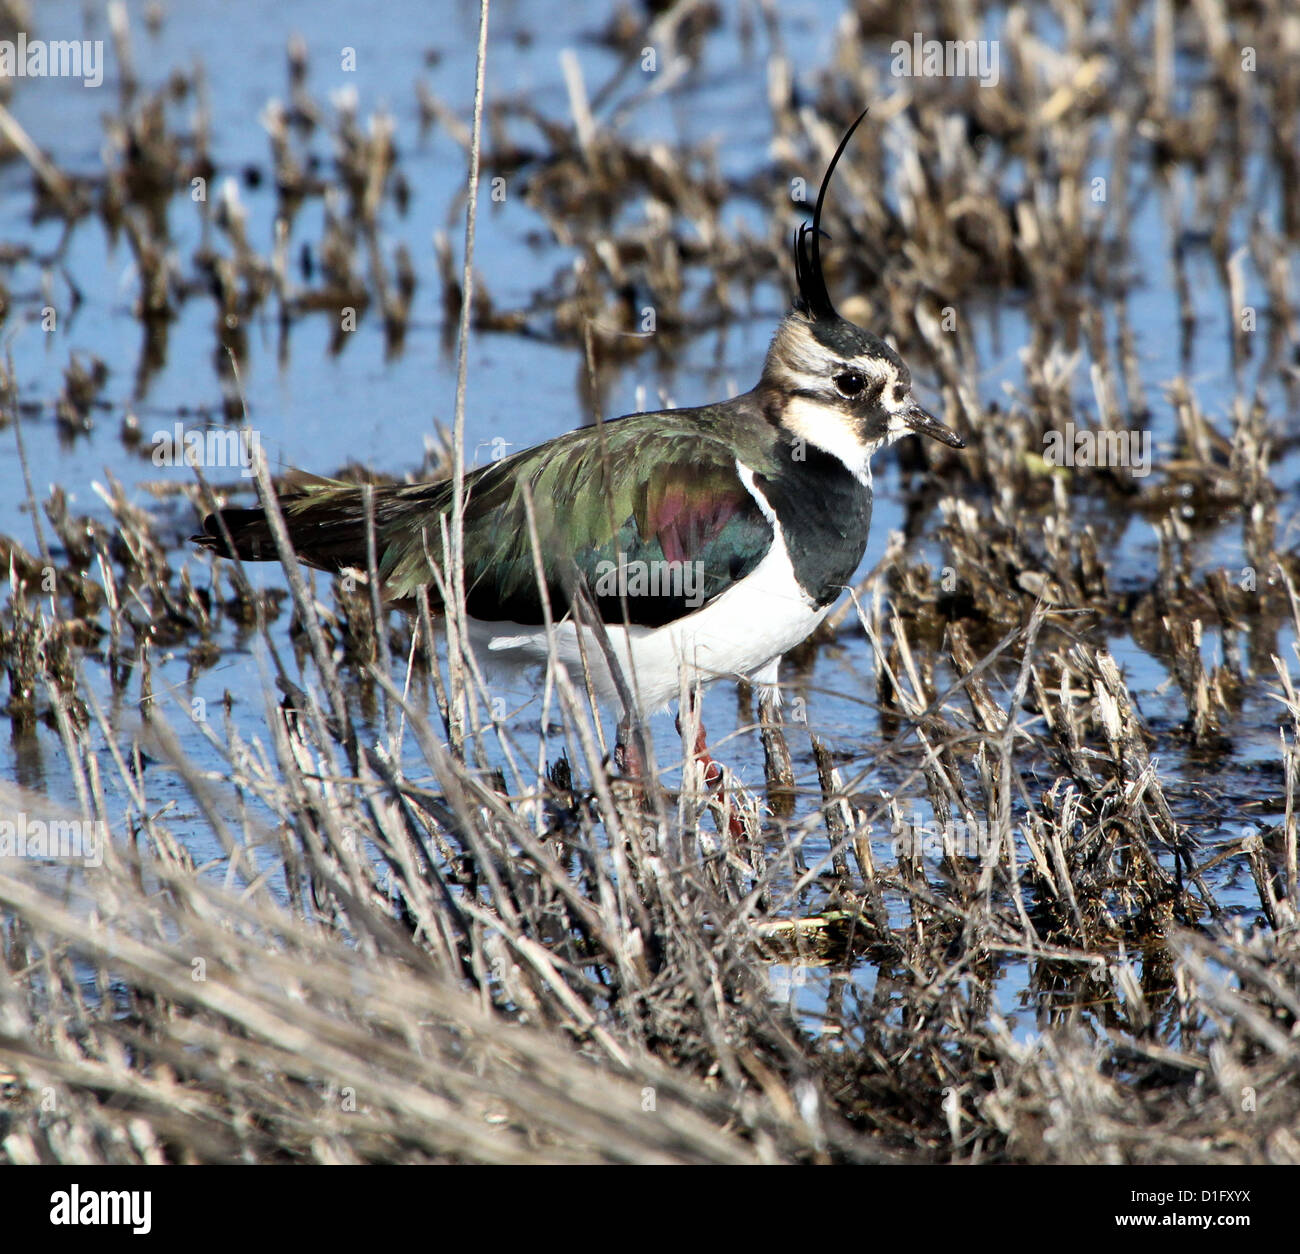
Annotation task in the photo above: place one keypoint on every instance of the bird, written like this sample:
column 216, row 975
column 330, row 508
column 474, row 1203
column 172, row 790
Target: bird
column 714, row 538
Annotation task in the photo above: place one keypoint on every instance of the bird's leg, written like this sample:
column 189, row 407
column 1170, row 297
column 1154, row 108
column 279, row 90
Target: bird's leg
column 713, row 777
column 712, row 771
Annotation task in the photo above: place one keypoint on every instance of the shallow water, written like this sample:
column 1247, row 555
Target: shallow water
column 318, row 411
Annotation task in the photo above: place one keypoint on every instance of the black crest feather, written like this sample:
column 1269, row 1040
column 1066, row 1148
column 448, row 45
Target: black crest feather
column 814, row 299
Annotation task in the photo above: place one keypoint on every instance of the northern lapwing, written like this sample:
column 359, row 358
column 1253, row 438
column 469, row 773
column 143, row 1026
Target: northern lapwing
column 714, row 538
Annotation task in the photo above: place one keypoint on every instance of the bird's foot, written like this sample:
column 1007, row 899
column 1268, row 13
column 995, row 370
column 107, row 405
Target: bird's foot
column 725, row 813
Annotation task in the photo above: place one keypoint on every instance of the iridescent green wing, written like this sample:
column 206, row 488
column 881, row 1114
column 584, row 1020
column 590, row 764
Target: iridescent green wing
column 647, row 510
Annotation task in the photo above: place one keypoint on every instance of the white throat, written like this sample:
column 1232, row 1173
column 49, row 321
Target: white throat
column 827, row 430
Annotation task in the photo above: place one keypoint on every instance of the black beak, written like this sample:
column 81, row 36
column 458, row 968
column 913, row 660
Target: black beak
column 926, row 424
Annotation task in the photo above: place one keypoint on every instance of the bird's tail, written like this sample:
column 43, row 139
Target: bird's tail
column 326, row 522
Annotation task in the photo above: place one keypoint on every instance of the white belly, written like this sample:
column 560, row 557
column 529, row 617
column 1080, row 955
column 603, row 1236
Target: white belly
column 742, row 633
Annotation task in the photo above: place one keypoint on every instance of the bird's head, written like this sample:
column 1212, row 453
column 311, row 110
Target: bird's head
column 838, row 386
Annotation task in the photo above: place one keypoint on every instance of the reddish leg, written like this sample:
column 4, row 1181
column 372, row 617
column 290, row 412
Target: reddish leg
column 712, row 771
column 713, row 780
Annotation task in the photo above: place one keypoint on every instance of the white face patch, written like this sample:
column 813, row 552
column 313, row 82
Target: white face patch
column 831, row 431
column 799, row 363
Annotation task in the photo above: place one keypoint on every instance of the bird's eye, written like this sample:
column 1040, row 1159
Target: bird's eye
column 850, row 382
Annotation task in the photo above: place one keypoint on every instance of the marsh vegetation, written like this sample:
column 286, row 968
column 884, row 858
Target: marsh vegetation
column 1014, row 877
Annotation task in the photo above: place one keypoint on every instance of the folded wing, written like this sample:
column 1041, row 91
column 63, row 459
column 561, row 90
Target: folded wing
column 648, row 513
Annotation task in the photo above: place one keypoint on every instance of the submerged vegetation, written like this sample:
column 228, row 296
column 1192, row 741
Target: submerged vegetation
column 425, row 933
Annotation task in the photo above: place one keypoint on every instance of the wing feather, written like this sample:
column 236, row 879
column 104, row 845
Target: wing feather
column 643, row 513
column 647, row 512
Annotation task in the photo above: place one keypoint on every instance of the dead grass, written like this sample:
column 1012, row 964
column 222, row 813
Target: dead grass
column 441, row 944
